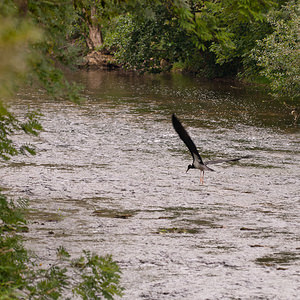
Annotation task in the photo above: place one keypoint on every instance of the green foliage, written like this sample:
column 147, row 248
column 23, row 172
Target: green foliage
column 93, row 276
column 9, row 126
column 32, row 126
column 46, row 284
column 278, row 54
column 207, row 37
column 217, row 26
column 33, row 36
column 11, row 215
column 57, row 19
column 57, row 45
column 144, row 42
column 13, row 257
column 16, row 37
column 53, row 80
column 100, row 275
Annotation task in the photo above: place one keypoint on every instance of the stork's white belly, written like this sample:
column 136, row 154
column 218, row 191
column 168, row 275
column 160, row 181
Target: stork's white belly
column 199, row 166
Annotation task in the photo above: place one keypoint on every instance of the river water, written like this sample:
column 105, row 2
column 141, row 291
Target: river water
column 109, row 176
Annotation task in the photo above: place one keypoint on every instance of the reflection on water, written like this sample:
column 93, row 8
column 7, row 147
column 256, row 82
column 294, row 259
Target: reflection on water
column 110, row 176
column 211, row 102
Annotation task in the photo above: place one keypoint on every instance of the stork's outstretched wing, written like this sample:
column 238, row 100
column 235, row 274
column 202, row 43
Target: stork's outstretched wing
column 186, row 138
column 213, row 162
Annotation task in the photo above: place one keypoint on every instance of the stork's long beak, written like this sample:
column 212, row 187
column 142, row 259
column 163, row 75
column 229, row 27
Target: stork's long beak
column 187, row 169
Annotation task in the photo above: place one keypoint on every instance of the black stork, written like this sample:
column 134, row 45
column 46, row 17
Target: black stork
column 197, row 160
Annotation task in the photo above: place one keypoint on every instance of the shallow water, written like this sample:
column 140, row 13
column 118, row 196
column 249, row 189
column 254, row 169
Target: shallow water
column 109, row 176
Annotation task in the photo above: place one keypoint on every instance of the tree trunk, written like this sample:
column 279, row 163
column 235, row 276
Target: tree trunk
column 94, row 40
column 22, row 6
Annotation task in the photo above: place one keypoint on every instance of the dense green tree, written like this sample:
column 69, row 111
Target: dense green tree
column 278, row 54
column 148, row 41
column 211, row 37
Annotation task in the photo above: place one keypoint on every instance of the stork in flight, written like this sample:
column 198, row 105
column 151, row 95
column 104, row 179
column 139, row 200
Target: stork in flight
column 197, row 160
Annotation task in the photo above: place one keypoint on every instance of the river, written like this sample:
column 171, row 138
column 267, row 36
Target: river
column 110, row 176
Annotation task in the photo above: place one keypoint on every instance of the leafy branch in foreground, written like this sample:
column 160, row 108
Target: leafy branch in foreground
column 9, row 126
column 100, row 276
column 13, row 256
column 92, row 277
column 89, row 277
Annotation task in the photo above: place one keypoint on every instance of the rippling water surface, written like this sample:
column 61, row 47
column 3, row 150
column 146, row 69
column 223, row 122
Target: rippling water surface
column 109, row 176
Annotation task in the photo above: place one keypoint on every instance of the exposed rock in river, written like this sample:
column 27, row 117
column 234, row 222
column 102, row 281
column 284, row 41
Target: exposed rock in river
column 99, row 60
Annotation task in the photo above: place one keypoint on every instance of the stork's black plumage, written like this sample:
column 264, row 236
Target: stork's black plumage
column 197, row 160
